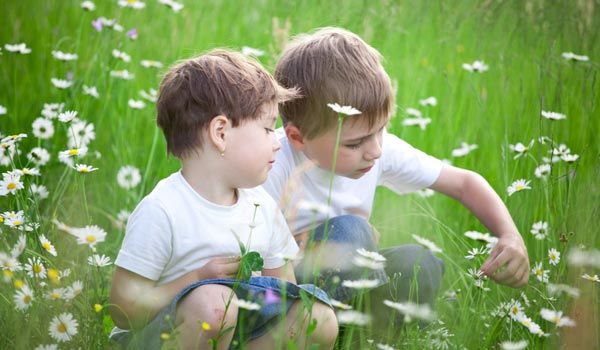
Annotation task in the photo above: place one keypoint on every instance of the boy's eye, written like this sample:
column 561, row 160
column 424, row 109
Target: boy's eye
column 354, row 146
column 269, row 130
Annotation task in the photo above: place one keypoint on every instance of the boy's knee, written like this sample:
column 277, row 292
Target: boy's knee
column 327, row 326
column 208, row 303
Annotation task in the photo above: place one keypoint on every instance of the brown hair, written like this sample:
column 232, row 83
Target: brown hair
column 219, row 82
column 332, row 65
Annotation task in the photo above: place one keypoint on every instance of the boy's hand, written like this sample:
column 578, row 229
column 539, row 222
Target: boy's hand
column 221, row 267
column 508, row 263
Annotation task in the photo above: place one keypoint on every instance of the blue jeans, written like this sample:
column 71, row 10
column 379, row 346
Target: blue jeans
column 256, row 322
column 411, row 271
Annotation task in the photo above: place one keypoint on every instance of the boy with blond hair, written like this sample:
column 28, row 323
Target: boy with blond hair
column 333, row 65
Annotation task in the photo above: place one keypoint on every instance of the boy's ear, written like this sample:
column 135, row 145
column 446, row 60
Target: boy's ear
column 217, row 129
column 294, row 136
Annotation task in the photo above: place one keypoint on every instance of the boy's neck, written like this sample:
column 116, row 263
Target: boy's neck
column 207, row 181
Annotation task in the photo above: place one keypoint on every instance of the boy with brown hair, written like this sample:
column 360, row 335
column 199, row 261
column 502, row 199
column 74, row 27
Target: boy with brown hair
column 176, row 271
column 333, row 65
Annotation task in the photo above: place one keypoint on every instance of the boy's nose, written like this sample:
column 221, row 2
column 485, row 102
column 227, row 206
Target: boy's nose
column 276, row 144
column 373, row 150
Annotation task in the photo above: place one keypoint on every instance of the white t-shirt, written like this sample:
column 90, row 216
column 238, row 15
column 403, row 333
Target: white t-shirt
column 401, row 168
column 174, row 231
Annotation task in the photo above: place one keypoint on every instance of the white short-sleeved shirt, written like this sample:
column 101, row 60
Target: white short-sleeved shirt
column 401, row 168
column 174, row 230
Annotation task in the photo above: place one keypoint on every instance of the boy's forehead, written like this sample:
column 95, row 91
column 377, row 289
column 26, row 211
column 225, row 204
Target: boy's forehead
column 359, row 127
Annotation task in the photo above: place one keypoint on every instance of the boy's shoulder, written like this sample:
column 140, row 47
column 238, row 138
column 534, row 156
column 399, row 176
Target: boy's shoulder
column 258, row 195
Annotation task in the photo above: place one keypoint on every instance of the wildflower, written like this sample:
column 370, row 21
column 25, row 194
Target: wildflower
column 61, row 83
column 173, row 5
column 427, row 244
column 10, row 183
column 121, row 55
column 582, row 258
column 540, row 273
column 122, row 74
column 247, row 305
column 3, row 110
column 99, row 260
column 367, row 263
column 478, row 236
column 132, row 34
column 39, row 156
column 73, row 290
column 412, row 311
column 593, row 278
column 151, row 95
column 91, row 91
column 128, row 177
column 64, row 56
column 429, row 101
column 98, row 308
column 165, row 336
column 151, row 64
column 371, row 255
column 384, row 347
column 134, row 4
column 67, row 116
column 339, row 305
column 425, row 193
column 18, row 48
column 90, row 235
column 13, row 219
column 569, row 158
column 67, row 155
column 472, row 253
column 250, row 51
column 23, row 298
column 347, row 110
column 42, row 128
column 420, row 122
column 80, row 134
column 520, row 149
column 51, row 110
column 361, row 283
column 19, row 283
column 569, row 56
column 518, row 186
column 47, row 245
column 17, row 250
column 542, row 171
column 29, row 171
column 553, row 115
column 514, row 309
column 136, row 104
column 352, row 317
column 56, row 294
column 539, row 230
column 476, row 66
column 463, row 150
column 508, row 345
column 533, row 327
column 83, row 168
column 63, row 327
column 54, row 276
column 554, row 256
column 46, row 347
column 35, row 268
column 557, row 318
column 479, row 278
column 206, row 326
column 557, row 289
column 88, row 6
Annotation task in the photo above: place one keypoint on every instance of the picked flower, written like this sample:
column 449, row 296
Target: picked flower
column 518, row 186
column 347, row 110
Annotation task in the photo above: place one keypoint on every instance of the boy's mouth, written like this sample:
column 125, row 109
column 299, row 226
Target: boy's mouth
column 365, row 170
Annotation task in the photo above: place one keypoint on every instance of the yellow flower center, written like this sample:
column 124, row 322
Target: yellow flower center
column 55, row 295
column 519, row 187
column 84, row 170
column 165, row 336
column 206, row 326
column 90, row 238
column 97, row 307
column 37, row 268
column 46, row 246
column 18, row 222
column 73, row 152
column 7, row 274
column 27, row 299
column 62, row 328
column 11, row 186
column 19, row 283
column 53, row 275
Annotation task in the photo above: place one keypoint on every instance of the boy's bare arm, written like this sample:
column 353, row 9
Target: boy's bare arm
column 286, row 272
column 474, row 192
column 135, row 300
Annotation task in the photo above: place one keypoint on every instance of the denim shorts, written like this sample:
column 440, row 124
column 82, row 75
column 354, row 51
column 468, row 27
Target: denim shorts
column 251, row 323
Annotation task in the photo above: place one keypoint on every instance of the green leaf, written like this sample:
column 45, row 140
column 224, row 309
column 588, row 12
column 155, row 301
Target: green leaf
column 251, row 261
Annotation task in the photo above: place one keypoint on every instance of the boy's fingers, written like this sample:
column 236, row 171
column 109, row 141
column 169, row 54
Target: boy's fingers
column 486, row 264
column 509, row 275
column 493, row 263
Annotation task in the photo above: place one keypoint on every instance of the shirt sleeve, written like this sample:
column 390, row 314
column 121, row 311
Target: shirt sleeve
column 147, row 246
column 405, row 169
column 282, row 244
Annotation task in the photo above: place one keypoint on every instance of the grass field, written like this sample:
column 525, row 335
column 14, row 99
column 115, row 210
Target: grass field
column 425, row 45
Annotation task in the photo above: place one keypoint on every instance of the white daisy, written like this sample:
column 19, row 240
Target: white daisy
column 121, row 55
column 73, row 290
column 542, row 171
column 18, row 249
column 47, row 347
column 134, row 4
column 414, row 112
column 247, row 305
column 514, row 309
column 557, row 289
column 574, row 57
column 173, row 5
column 80, row 134
column 47, row 245
column 128, row 177
column 593, row 278
column 509, row 345
column 39, row 190
column 375, row 256
column 540, row 273
column 61, row 83
column 361, row 261
column 90, row 235
column 51, row 110
column 55, row 294
column 557, row 318
column 533, row 327
column 479, row 236
column 91, row 91
column 151, row 64
column 425, row 193
column 429, row 101
column 553, row 115
column 518, row 186
column 39, row 156
column 23, row 298
column 29, row 171
column 88, row 5
column 35, row 268
column 384, row 347
column 569, row 158
column 361, row 284
column 472, row 253
column 84, row 168
column 520, row 149
column 18, row 48
column 151, row 95
column 122, row 74
column 63, row 327
column 13, row 219
column 99, row 260
column 427, row 244
column 67, row 116
column 250, row 51
column 583, row 258
column 412, row 311
column 10, row 183
column 554, row 256
column 539, row 230
column 478, row 278
column 339, row 305
column 476, row 66
column 352, row 317
column 136, row 104
column 463, row 150
column 347, row 110
column 3, row 110
column 420, row 122
column 64, row 56
column 42, row 128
